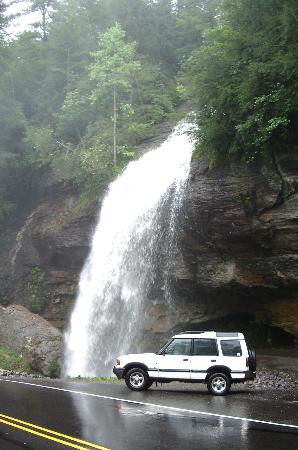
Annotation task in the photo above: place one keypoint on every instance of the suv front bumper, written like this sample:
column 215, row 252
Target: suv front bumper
column 118, row 372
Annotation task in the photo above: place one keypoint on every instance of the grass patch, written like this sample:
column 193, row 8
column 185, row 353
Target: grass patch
column 94, row 379
column 12, row 360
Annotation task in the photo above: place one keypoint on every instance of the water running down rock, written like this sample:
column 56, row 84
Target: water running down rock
column 136, row 228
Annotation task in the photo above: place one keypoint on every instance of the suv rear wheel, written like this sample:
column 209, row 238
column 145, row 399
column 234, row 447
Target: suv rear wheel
column 218, row 383
column 137, row 379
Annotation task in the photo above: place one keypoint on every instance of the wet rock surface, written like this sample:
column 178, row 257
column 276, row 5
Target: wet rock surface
column 31, row 335
column 41, row 257
column 239, row 242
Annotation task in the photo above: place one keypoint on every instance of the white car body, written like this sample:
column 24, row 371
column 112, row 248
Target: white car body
column 201, row 354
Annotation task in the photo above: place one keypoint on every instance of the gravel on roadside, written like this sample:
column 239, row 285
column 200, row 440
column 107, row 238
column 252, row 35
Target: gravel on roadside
column 274, row 380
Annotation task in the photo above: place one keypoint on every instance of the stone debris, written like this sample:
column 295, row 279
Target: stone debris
column 12, row 373
column 273, row 380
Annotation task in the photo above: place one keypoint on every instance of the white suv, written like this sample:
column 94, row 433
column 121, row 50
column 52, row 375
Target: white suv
column 215, row 358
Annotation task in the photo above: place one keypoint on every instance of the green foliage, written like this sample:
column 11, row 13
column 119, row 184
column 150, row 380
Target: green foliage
column 12, row 360
column 56, row 88
column 12, row 126
column 113, row 70
column 194, row 17
column 12, row 122
column 244, row 80
column 152, row 24
column 35, row 300
column 57, row 85
column 142, row 99
column 43, row 145
column 74, row 116
column 114, row 65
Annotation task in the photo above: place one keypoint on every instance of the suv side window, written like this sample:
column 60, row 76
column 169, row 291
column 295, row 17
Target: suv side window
column 231, row 348
column 178, row 347
column 205, row 347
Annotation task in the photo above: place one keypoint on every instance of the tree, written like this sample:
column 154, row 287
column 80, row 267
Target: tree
column 44, row 7
column 194, row 17
column 3, row 18
column 244, row 80
column 58, row 89
column 113, row 70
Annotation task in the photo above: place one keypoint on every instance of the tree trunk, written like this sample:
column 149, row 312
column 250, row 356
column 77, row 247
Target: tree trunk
column 68, row 72
column 115, row 130
column 44, row 26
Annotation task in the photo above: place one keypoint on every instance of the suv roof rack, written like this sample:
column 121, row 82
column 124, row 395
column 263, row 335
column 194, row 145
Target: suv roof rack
column 227, row 334
column 218, row 333
column 194, row 332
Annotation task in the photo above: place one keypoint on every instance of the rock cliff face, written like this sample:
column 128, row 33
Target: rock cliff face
column 238, row 261
column 40, row 267
column 239, row 241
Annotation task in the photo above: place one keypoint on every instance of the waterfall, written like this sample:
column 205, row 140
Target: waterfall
column 133, row 240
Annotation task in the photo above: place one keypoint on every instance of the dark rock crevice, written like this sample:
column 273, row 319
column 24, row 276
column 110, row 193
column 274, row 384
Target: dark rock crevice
column 287, row 187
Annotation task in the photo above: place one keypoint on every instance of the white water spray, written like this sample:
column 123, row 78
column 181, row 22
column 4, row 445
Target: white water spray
column 134, row 234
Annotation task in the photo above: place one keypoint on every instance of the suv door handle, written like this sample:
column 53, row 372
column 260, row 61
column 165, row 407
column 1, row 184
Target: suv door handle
column 213, row 360
column 185, row 359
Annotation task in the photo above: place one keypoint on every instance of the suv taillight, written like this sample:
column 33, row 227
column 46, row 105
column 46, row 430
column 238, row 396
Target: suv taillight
column 117, row 362
column 247, row 362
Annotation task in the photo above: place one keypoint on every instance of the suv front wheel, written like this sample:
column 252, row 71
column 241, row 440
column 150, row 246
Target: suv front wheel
column 218, row 383
column 137, row 379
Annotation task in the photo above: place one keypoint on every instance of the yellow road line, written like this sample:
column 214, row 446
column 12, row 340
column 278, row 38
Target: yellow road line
column 46, row 436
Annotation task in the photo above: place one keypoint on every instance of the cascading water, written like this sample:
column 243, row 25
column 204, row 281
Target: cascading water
column 132, row 241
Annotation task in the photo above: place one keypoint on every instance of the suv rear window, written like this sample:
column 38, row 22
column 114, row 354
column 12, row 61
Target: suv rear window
column 178, row 347
column 205, row 347
column 231, row 348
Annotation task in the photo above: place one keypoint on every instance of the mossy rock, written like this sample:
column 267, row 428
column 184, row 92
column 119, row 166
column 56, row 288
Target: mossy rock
column 12, row 360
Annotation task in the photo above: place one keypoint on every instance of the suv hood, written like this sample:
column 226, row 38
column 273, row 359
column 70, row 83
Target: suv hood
column 136, row 356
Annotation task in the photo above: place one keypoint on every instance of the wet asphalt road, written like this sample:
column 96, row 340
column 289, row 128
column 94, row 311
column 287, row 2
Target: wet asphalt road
column 118, row 424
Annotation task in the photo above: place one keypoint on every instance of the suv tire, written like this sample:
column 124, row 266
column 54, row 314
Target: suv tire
column 252, row 360
column 137, row 379
column 218, row 383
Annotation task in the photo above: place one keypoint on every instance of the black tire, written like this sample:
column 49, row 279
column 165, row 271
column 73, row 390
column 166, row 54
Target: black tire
column 137, row 379
column 219, row 383
column 252, row 360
